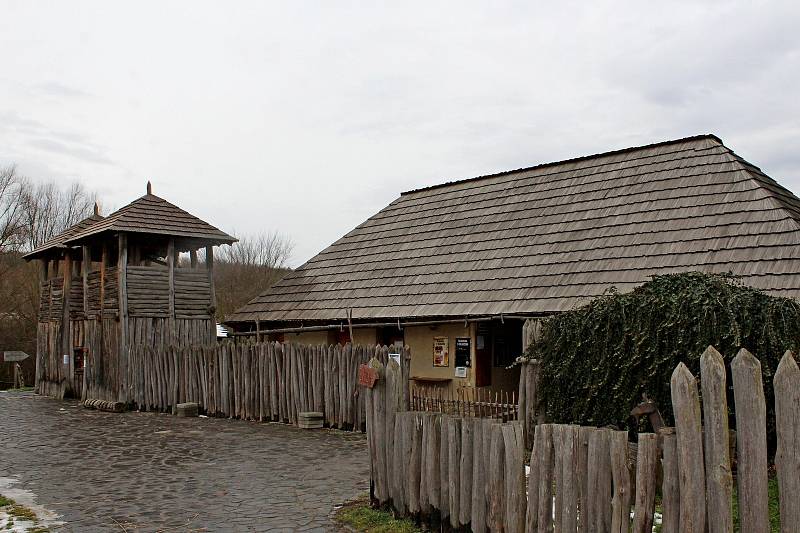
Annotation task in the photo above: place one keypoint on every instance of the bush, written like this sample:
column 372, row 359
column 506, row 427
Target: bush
column 597, row 360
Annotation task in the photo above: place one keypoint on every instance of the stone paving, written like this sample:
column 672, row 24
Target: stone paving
column 155, row 472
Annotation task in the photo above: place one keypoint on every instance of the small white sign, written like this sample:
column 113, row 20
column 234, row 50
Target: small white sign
column 66, row 359
column 395, row 356
column 461, row 371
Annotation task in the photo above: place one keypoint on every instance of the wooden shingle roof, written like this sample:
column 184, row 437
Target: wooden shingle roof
column 58, row 242
column 547, row 238
column 153, row 215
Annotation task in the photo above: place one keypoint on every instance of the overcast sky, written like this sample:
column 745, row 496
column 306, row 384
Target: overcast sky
column 306, row 117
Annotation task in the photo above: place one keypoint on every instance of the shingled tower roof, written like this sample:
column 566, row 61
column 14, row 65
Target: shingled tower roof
column 548, row 238
column 153, row 215
column 58, row 242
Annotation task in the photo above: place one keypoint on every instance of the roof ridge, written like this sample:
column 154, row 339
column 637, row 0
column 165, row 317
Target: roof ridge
column 781, row 197
column 710, row 136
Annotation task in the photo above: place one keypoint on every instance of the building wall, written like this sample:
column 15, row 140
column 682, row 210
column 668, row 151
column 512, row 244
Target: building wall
column 420, row 340
column 308, row 337
column 365, row 336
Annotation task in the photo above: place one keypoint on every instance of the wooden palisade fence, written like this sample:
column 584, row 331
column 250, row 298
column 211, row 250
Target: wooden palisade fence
column 471, row 472
column 264, row 381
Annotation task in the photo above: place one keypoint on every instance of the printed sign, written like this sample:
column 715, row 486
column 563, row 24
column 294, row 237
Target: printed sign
column 66, row 359
column 367, row 376
column 463, row 349
column 461, row 371
column 441, row 354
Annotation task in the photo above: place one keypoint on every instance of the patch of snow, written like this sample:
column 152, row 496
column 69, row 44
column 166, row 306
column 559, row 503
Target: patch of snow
column 27, row 499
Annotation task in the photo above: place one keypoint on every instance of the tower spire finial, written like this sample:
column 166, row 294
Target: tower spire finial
column 96, row 208
column 149, row 187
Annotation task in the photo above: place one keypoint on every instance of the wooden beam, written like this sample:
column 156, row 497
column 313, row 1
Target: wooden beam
column 213, row 297
column 193, row 258
column 171, row 267
column 122, row 297
column 66, row 341
column 86, row 265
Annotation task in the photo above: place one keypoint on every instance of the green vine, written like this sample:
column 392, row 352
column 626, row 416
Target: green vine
column 598, row 359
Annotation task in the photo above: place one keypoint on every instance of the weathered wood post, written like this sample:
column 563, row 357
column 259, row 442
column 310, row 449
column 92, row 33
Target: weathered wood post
column 751, row 436
column 376, row 430
column 122, row 296
column 497, row 488
column 787, row 457
column 686, row 406
column 599, row 462
column 394, row 405
column 621, row 477
column 544, row 460
column 646, row 471
column 670, row 492
column 515, row 499
column 719, row 481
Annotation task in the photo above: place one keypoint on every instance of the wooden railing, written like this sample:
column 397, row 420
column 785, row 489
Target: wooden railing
column 476, row 403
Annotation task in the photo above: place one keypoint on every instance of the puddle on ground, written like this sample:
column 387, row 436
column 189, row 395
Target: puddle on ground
column 25, row 498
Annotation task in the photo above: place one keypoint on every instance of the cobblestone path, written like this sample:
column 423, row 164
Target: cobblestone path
column 151, row 472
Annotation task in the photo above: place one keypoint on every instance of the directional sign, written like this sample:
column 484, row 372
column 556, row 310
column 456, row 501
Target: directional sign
column 13, row 356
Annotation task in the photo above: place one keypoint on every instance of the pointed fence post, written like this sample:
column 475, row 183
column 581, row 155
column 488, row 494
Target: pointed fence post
column 686, row 407
column 719, row 481
column 787, row 457
column 394, row 404
column 376, row 431
column 751, row 435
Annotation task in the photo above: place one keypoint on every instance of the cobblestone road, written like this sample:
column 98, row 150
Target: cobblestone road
column 151, row 472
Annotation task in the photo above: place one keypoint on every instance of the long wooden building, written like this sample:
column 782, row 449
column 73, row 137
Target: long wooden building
column 455, row 270
column 108, row 283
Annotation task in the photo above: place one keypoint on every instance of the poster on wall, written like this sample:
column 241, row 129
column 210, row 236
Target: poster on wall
column 463, row 352
column 441, row 355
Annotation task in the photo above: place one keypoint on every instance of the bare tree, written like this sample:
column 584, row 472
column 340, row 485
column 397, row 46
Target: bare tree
column 249, row 267
column 12, row 190
column 49, row 210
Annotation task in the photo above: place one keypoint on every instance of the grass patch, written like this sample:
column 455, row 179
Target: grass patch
column 17, row 512
column 21, row 389
column 359, row 515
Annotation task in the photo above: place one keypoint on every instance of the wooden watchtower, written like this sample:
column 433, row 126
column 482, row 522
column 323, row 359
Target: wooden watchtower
column 108, row 283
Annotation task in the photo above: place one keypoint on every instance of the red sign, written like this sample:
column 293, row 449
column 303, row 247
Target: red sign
column 367, row 376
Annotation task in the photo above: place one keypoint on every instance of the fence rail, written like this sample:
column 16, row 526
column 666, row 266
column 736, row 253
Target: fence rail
column 265, row 381
column 476, row 403
column 469, row 471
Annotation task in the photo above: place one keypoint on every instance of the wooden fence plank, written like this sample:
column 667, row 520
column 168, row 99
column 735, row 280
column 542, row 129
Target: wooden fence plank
column 414, row 464
column 599, row 481
column 582, row 451
column 399, row 472
column 544, row 460
column 686, row 407
column 646, row 472
column 465, row 478
column 787, row 458
column 454, row 468
column 444, row 470
column 751, row 434
column 515, row 499
column 479, row 479
column 719, row 481
column 621, row 477
column 497, row 457
column 377, row 431
column 670, row 492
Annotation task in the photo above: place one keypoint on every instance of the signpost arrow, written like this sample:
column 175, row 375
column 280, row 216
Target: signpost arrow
column 14, row 356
